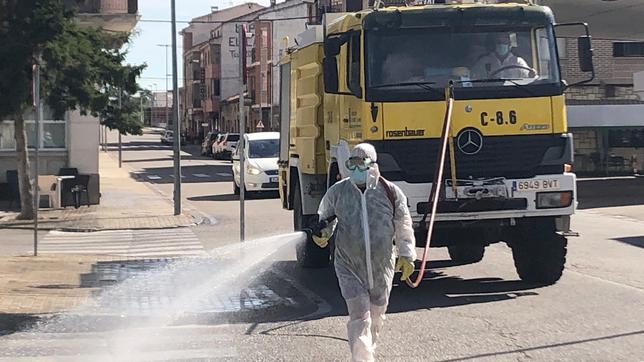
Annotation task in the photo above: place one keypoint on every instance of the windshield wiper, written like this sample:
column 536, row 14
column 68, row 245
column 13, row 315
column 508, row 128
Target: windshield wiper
column 424, row 85
column 511, row 80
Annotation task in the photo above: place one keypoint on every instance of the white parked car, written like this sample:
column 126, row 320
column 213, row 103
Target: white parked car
column 167, row 138
column 261, row 151
column 224, row 147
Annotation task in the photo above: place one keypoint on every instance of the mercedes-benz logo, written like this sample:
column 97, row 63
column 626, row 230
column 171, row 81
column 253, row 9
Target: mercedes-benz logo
column 470, row 141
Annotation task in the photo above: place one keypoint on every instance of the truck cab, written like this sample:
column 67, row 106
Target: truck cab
column 379, row 76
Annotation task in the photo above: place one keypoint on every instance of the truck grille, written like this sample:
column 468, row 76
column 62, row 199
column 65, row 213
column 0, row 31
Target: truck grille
column 414, row 161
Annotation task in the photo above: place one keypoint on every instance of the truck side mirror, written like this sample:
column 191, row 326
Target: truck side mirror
column 330, row 69
column 585, row 49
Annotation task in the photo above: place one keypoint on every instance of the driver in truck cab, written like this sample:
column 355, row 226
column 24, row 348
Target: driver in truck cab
column 501, row 62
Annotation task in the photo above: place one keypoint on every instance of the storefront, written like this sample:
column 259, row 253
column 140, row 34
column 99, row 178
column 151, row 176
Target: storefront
column 609, row 139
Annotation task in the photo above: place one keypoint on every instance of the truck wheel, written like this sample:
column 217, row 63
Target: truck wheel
column 236, row 189
column 309, row 255
column 466, row 252
column 539, row 252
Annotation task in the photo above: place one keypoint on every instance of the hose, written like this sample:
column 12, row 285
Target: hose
column 438, row 180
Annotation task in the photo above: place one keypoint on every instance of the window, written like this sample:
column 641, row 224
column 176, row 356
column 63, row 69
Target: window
column 416, row 63
column 53, row 133
column 628, row 49
column 353, row 64
column 215, row 88
column 264, row 148
column 215, row 50
column 626, row 138
column 561, row 47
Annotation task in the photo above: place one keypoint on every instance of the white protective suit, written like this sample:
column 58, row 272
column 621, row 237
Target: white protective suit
column 365, row 228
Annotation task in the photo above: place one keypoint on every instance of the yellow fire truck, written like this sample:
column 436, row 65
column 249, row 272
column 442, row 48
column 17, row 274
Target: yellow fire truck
column 379, row 76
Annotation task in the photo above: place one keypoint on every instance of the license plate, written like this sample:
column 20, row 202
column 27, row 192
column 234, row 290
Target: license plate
column 531, row 185
column 273, row 179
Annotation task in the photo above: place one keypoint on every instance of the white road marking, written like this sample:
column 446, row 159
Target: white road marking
column 132, row 243
column 153, row 177
column 200, row 175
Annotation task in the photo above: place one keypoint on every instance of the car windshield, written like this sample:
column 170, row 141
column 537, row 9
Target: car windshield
column 232, row 138
column 263, row 148
column 420, row 60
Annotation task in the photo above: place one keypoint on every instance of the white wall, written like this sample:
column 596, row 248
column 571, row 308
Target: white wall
column 83, row 142
column 281, row 29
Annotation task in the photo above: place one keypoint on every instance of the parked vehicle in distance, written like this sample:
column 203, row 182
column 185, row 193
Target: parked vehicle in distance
column 216, row 147
column 260, row 162
column 167, row 138
column 225, row 146
column 230, row 144
column 208, row 141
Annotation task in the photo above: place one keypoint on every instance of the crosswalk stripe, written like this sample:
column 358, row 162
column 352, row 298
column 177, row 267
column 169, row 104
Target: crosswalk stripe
column 178, row 242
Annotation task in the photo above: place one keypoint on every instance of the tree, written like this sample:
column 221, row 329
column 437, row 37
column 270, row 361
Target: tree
column 79, row 69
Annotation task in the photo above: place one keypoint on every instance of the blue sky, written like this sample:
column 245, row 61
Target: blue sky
column 147, row 34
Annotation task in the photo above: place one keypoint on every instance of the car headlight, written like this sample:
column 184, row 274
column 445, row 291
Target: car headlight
column 551, row 200
column 253, row 171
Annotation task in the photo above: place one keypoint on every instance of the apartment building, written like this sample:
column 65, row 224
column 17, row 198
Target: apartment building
column 73, row 140
column 203, row 68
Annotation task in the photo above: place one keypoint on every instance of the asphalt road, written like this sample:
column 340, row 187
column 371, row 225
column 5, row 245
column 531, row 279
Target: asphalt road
column 479, row 312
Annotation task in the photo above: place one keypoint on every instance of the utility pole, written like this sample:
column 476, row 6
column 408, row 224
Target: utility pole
column 175, row 115
column 242, row 130
column 38, row 108
column 120, row 115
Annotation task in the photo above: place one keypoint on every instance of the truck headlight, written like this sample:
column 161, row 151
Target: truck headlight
column 552, row 200
column 253, row 171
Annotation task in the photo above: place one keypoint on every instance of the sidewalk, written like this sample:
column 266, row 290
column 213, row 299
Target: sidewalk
column 125, row 204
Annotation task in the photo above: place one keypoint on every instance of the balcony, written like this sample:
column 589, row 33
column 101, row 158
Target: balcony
column 112, row 15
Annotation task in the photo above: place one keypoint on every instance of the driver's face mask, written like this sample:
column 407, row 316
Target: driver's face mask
column 503, row 49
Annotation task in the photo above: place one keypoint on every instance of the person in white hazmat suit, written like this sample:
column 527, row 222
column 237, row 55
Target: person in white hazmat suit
column 367, row 214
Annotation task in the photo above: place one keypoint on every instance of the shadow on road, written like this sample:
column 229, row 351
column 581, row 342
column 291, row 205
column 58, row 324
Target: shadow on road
column 610, row 192
column 546, row 346
column 231, row 197
column 192, row 174
column 438, row 289
column 632, row 240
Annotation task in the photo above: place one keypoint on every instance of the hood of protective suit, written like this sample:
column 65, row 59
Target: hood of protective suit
column 365, row 150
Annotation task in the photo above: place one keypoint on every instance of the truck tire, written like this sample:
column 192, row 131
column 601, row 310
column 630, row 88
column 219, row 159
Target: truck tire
column 467, row 253
column 236, row 189
column 539, row 252
column 309, row 255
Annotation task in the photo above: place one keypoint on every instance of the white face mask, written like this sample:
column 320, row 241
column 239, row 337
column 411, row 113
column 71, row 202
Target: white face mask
column 359, row 177
column 503, row 49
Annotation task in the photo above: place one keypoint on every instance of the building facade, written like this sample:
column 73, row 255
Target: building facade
column 73, row 140
column 203, row 68
column 606, row 116
column 270, row 32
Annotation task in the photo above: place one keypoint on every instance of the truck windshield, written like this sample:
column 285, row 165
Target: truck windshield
column 480, row 61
